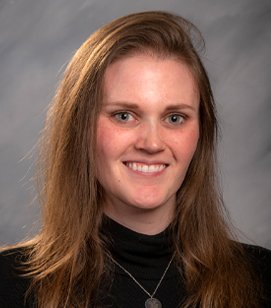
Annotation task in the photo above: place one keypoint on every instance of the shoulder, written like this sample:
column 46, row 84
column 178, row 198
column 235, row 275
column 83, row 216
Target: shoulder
column 257, row 251
column 13, row 285
column 259, row 257
column 260, row 260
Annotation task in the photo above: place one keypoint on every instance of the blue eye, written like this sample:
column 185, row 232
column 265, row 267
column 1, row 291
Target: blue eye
column 123, row 116
column 175, row 119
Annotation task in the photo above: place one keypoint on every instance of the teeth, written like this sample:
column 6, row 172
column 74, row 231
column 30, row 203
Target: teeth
column 146, row 168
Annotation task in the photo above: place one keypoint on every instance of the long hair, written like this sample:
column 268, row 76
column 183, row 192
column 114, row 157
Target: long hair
column 67, row 257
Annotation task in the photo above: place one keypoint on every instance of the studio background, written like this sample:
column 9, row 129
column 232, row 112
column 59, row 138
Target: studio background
column 37, row 39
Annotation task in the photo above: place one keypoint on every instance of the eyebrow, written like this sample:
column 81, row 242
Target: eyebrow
column 134, row 106
column 121, row 104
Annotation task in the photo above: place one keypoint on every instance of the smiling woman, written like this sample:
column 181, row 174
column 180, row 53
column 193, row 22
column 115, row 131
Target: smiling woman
column 132, row 216
column 145, row 145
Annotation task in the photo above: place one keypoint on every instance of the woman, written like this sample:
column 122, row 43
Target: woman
column 132, row 216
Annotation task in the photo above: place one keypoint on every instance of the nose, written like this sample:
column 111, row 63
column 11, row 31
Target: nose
column 149, row 139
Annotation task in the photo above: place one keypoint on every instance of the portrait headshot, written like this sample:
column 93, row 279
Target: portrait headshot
column 135, row 154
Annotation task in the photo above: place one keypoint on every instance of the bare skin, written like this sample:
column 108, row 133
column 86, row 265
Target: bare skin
column 147, row 134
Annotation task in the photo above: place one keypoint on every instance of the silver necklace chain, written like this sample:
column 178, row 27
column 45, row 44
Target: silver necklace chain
column 133, row 278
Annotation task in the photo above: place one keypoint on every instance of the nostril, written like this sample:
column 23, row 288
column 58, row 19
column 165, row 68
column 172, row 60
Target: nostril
column 150, row 143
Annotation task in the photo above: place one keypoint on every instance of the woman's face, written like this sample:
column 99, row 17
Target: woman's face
column 147, row 133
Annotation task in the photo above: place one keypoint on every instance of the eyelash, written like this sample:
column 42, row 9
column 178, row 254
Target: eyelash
column 180, row 116
column 117, row 117
column 118, row 114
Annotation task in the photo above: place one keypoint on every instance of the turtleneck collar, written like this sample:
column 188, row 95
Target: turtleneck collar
column 138, row 252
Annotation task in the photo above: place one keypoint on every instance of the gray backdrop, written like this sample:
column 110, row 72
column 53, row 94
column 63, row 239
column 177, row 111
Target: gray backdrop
column 37, row 38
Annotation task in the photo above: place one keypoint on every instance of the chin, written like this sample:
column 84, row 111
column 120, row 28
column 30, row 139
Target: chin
column 149, row 204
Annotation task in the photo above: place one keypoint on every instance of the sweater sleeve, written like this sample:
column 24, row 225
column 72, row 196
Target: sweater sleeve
column 13, row 286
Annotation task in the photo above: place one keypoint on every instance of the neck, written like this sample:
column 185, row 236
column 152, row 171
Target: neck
column 149, row 222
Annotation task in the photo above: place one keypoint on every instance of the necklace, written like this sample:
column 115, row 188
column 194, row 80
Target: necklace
column 151, row 302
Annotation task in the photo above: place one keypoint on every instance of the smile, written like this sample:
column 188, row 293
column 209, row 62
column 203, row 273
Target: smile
column 140, row 167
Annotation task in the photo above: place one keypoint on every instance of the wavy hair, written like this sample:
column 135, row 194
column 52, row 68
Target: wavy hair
column 67, row 258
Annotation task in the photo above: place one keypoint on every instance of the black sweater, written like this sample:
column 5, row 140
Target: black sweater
column 145, row 257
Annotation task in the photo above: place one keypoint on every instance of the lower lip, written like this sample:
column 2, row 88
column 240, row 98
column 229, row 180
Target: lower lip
column 155, row 173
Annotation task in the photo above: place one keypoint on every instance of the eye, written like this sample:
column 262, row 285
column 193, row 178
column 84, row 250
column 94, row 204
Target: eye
column 123, row 116
column 175, row 119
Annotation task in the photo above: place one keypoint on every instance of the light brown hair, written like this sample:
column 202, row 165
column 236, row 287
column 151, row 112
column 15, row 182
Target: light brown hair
column 68, row 254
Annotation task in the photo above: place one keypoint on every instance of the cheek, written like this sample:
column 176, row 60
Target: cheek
column 104, row 150
column 109, row 139
column 184, row 145
column 192, row 141
column 104, row 139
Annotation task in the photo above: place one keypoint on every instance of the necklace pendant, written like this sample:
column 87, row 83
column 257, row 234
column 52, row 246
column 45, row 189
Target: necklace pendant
column 153, row 303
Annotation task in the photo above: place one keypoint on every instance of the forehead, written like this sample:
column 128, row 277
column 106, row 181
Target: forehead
column 143, row 76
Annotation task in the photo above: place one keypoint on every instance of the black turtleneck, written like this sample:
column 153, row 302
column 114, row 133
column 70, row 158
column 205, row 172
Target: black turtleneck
column 145, row 257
